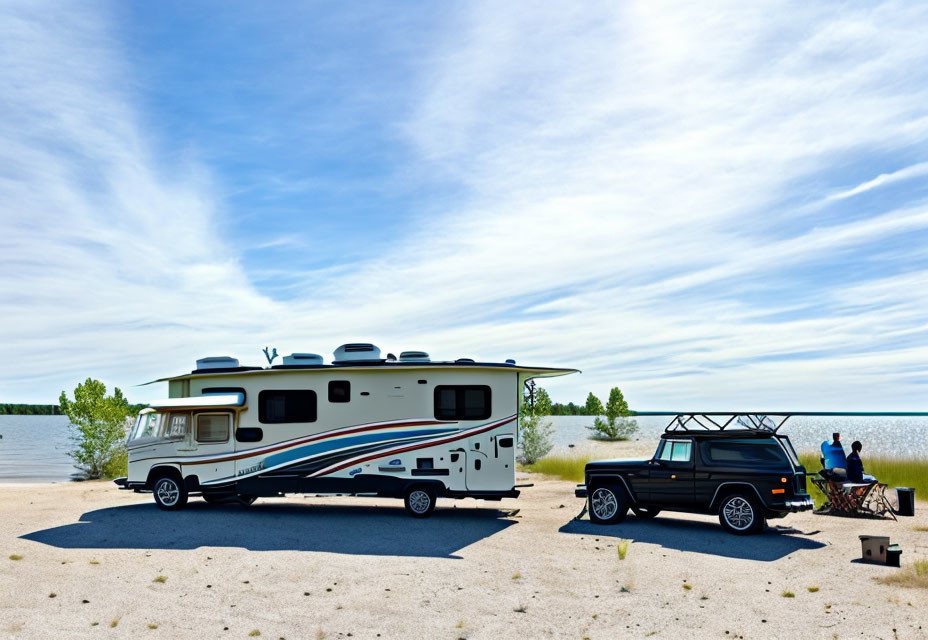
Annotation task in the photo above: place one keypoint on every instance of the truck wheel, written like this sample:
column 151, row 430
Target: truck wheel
column 170, row 493
column 646, row 512
column 420, row 502
column 740, row 514
column 608, row 504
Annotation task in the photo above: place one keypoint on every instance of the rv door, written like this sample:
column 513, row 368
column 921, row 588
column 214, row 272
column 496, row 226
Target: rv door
column 491, row 462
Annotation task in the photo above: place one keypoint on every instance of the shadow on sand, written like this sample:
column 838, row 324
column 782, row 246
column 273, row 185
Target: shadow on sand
column 699, row 537
column 266, row 526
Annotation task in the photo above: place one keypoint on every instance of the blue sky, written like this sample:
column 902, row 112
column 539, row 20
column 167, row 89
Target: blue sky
column 711, row 207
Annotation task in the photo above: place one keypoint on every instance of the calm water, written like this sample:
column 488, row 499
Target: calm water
column 35, row 448
column 880, row 436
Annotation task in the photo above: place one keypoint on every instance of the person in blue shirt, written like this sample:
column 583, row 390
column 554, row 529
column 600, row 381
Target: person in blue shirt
column 833, row 453
column 855, row 466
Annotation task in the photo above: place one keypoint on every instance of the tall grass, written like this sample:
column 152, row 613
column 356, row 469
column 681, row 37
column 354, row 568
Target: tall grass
column 896, row 472
column 564, row 467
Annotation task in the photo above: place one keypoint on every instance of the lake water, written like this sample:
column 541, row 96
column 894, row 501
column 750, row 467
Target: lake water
column 35, row 448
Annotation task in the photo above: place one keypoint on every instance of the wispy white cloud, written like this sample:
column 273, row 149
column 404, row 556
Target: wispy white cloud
column 884, row 179
column 625, row 166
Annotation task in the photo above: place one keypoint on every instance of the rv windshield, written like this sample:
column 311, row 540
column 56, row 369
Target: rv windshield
column 147, row 426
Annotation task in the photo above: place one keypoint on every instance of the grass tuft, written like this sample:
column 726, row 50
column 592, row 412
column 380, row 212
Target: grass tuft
column 564, row 467
column 812, row 589
column 788, row 594
column 114, row 623
column 152, row 626
column 94, row 562
column 914, row 576
column 254, row 633
column 687, row 586
column 15, row 556
column 161, row 579
column 53, row 595
column 622, row 548
column 516, row 575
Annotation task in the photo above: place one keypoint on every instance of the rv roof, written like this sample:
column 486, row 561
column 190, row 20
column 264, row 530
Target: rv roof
column 537, row 372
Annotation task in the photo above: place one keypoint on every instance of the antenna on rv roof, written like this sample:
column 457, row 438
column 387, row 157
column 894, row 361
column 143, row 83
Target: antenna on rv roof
column 270, row 356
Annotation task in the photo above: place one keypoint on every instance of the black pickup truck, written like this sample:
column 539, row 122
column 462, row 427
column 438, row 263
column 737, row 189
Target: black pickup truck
column 746, row 476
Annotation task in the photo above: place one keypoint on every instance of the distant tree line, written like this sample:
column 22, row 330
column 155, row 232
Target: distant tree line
column 10, row 409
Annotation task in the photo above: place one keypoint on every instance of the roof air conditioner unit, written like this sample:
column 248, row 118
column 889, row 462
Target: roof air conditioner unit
column 357, row 352
column 217, row 362
column 414, row 356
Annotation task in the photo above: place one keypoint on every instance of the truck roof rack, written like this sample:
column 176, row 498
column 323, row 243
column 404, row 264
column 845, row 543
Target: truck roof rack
column 763, row 421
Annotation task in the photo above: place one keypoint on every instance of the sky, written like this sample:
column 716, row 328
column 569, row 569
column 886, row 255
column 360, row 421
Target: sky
column 710, row 205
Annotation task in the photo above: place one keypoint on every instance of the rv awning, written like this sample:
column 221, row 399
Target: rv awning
column 211, row 401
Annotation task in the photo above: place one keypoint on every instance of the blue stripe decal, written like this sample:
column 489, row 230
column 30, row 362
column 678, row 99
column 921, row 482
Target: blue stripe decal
column 339, row 443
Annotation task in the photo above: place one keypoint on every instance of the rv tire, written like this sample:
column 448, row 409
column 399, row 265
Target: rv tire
column 170, row 492
column 420, row 501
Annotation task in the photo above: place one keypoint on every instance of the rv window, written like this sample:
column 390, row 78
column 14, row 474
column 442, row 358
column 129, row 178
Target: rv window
column 292, row 405
column 213, row 427
column 462, row 402
column 178, row 428
column 339, row 391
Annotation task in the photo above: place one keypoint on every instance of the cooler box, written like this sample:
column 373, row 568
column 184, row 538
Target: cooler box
column 873, row 548
column 906, row 498
column 893, row 552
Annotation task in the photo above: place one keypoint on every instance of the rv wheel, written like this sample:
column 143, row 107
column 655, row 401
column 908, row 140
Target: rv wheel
column 420, row 502
column 170, row 493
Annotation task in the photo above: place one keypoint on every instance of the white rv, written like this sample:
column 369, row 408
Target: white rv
column 406, row 427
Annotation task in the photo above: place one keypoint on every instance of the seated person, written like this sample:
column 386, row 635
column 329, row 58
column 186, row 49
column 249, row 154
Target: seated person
column 855, row 466
column 833, row 453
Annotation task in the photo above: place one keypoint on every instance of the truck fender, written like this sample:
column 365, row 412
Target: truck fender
column 598, row 476
column 733, row 485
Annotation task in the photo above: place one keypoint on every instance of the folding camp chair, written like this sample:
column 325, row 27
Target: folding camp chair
column 853, row 498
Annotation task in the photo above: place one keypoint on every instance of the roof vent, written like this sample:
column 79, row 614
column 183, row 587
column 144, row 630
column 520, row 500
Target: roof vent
column 510, row 361
column 357, row 351
column 303, row 358
column 217, row 362
column 464, row 360
column 414, row 356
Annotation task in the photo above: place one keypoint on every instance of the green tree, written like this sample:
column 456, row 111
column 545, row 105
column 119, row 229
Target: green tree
column 98, row 427
column 593, row 406
column 534, row 430
column 617, row 425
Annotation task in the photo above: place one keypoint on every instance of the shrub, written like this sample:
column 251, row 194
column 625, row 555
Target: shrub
column 617, row 425
column 535, row 431
column 98, row 424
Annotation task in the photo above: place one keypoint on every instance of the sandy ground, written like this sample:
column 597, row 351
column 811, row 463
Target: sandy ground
column 347, row 567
